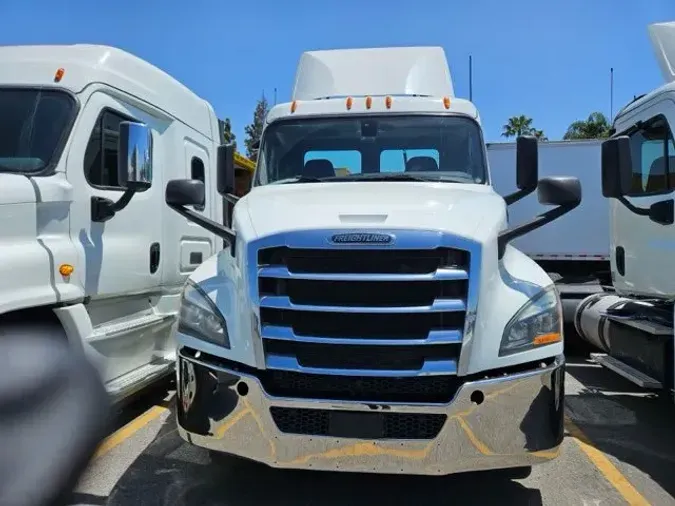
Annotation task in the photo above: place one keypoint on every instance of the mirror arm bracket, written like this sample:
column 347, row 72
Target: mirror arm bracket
column 221, row 231
column 538, row 221
column 103, row 209
column 633, row 209
column 517, row 195
column 231, row 198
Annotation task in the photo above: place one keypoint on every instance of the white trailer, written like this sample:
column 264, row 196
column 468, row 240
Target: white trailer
column 633, row 323
column 89, row 252
column 376, row 319
column 575, row 249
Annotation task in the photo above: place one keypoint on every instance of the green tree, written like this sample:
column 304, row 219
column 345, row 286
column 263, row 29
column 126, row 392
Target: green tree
column 226, row 133
column 254, row 130
column 517, row 126
column 539, row 134
column 596, row 126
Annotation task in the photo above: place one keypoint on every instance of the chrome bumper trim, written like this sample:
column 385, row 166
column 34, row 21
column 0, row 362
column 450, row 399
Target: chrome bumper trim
column 518, row 423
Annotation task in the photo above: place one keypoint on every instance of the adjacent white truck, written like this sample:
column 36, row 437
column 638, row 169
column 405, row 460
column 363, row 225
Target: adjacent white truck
column 633, row 323
column 89, row 253
column 377, row 320
column 575, row 250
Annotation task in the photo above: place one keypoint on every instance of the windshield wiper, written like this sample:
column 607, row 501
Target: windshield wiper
column 302, row 179
column 396, row 176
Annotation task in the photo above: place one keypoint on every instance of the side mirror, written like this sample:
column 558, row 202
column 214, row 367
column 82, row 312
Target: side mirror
column 527, row 168
column 185, row 192
column 559, row 191
column 617, row 167
column 225, row 176
column 181, row 193
column 134, row 165
column 527, row 163
column 134, row 169
column 562, row 192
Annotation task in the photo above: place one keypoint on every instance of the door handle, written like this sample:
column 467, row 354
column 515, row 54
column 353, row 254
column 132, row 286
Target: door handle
column 154, row 257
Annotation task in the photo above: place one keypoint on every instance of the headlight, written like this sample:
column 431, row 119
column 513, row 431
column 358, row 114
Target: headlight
column 537, row 323
column 200, row 318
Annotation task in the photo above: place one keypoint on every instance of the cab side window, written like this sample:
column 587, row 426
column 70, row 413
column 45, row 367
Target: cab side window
column 197, row 172
column 653, row 153
column 101, row 155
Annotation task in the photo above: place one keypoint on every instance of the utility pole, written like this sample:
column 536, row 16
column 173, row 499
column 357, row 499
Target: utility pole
column 611, row 94
column 470, row 78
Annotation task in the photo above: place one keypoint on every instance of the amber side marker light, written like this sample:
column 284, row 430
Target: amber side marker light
column 59, row 75
column 294, row 106
column 387, row 102
column 446, row 102
column 66, row 270
column 349, row 103
column 369, row 102
column 553, row 337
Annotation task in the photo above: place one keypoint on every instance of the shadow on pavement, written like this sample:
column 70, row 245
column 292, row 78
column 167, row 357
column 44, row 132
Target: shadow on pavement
column 171, row 472
column 625, row 422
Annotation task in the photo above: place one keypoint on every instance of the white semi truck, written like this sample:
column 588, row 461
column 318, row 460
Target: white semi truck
column 575, row 250
column 90, row 254
column 633, row 322
column 378, row 320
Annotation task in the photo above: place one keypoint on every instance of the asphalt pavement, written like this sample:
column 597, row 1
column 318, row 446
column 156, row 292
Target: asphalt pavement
column 619, row 449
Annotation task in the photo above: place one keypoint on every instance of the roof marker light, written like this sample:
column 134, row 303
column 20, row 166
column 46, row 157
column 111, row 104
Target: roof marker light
column 59, row 75
column 349, row 103
column 387, row 102
column 369, row 102
column 294, row 106
column 446, row 102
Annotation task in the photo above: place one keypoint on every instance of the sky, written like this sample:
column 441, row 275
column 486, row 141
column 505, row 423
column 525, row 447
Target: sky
column 547, row 59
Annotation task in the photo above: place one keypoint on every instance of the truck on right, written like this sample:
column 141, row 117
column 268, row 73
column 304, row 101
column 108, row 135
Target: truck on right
column 632, row 321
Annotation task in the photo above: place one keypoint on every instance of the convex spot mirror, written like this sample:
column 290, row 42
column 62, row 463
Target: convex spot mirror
column 134, row 164
column 559, row 191
column 185, row 192
column 617, row 167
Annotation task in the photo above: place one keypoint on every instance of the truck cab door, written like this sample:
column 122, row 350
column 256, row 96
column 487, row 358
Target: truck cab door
column 641, row 246
column 121, row 260
column 122, row 255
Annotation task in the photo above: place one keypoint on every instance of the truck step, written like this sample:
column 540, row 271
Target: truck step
column 138, row 379
column 630, row 373
column 115, row 329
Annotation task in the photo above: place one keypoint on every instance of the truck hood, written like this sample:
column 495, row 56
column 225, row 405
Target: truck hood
column 471, row 211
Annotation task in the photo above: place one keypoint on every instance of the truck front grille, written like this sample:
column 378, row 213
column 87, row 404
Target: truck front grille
column 354, row 424
column 418, row 389
column 351, row 312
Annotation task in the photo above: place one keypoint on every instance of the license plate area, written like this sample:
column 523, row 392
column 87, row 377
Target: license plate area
column 356, row 425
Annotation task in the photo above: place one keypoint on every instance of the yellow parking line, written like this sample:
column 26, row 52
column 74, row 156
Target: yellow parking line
column 129, row 430
column 605, row 466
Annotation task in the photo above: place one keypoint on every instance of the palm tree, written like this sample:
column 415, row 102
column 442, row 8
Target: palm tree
column 517, row 126
column 597, row 126
column 539, row 134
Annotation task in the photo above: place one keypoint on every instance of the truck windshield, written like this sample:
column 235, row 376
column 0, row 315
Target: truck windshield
column 32, row 124
column 373, row 148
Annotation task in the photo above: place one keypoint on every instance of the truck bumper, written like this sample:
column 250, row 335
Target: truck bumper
column 508, row 421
